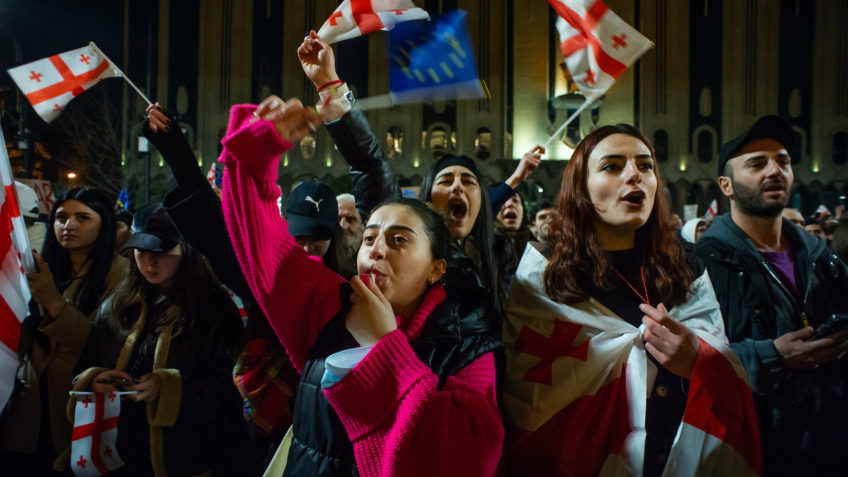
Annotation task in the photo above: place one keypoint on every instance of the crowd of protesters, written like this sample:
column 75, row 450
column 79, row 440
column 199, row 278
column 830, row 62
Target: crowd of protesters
column 461, row 333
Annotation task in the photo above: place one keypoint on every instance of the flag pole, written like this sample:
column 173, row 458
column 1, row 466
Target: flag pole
column 120, row 73
column 589, row 100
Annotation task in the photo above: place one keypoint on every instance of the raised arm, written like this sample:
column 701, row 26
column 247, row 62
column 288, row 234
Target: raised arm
column 298, row 295
column 501, row 193
column 373, row 180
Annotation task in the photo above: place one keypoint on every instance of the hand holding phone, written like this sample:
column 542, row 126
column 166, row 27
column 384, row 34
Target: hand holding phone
column 834, row 324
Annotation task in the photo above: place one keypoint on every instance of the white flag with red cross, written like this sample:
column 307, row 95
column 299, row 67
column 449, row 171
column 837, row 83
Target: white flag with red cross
column 95, row 433
column 15, row 257
column 712, row 210
column 598, row 45
column 51, row 83
column 355, row 18
column 578, row 378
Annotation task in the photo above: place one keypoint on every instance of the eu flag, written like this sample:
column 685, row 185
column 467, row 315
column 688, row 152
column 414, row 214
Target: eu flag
column 123, row 200
column 433, row 61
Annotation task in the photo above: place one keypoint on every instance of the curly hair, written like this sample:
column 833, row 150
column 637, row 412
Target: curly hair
column 577, row 253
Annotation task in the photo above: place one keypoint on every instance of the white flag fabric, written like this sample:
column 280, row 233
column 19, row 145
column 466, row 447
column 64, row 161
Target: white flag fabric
column 93, row 450
column 355, row 18
column 578, row 379
column 712, row 210
column 598, row 45
column 15, row 257
column 51, row 83
column 822, row 210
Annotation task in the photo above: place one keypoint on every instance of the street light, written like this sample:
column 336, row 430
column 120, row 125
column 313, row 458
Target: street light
column 71, row 175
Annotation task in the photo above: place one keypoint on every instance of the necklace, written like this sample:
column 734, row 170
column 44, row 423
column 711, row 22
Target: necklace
column 644, row 284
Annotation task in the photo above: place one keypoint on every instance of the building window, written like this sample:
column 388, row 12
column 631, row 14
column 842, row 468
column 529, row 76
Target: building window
column 661, row 145
column 840, row 148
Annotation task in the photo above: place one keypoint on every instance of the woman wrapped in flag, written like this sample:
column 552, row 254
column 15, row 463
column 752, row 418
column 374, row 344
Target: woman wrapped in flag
column 617, row 362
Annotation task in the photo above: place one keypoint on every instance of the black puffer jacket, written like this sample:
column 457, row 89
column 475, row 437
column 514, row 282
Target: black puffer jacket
column 798, row 409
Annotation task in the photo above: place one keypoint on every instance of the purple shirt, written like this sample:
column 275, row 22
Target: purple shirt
column 784, row 263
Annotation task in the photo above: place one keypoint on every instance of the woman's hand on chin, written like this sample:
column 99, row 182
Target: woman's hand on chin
column 673, row 345
column 371, row 316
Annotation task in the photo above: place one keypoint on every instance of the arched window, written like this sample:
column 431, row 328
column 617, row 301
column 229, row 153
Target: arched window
column 483, row 143
column 840, row 148
column 705, row 146
column 661, row 145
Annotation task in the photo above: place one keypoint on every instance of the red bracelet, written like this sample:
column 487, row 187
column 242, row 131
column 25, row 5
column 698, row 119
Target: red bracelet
column 331, row 83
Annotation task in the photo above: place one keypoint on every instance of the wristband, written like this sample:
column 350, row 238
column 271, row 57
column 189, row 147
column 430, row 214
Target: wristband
column 331, row 83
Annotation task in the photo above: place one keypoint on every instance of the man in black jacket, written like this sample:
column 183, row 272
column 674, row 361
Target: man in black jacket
column 776, row 286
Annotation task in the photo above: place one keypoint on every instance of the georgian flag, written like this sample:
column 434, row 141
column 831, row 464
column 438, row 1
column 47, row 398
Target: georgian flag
column 712, row 210
column 598, row 45
column 578, row 378
column 51, row 83
column 15, row 257
column 822, row 210
column 96, row 427
column 354, row 18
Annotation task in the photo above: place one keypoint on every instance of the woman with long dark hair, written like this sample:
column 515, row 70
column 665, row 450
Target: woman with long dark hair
column 170, row 332
column 631, row 343
column 78, row 270
column 419, row 401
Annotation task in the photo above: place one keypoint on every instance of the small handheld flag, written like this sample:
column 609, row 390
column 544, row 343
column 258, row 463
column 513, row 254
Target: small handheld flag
column 355, row 18
column 95, row 432
column 123, row 200
column 598, row 47
column 49, row 84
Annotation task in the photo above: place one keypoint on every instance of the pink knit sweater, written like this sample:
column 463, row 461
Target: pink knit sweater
column 398, row 419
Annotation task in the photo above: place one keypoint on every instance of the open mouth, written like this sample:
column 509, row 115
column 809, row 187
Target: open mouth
column 775, row 187
column 510, row 215
column 637, row 197
column 458, row 209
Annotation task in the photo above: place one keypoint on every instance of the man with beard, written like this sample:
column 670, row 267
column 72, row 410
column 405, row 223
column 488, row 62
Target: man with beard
column 777, row 286
column 351, row 227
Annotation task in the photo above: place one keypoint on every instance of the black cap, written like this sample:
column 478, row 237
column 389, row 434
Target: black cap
column 771, row 126
column 312, row 210
column 153, row 230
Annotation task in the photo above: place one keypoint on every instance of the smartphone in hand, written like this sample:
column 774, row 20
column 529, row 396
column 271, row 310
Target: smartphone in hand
column 114, row 381
column 835, row 323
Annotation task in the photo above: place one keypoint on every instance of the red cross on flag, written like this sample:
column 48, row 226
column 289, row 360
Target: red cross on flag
column 712, row 210
column 51, row 83
column 95, row 433
column 598, row 45
column 578, row 378
column 15, row 256
column 359, row 17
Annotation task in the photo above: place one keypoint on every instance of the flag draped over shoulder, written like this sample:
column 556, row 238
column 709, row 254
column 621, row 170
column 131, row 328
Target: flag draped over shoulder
column 15, row 257
column 354, row 18
column 431, row 62
column 598, row 45
column 51, row 83
column 577, row 383
column 95, row 433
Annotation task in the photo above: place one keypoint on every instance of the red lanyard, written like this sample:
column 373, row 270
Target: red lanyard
column 644, row 284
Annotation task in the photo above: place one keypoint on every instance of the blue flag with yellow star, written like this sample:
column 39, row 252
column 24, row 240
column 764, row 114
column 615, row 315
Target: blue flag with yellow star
column 123, row 200
column 433, row 61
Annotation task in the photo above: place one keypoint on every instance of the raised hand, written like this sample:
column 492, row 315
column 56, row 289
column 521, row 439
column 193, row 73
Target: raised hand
column 317, row 60
column 371, row 316
column 157, row 119
column 672, row 344
column 292, row 119
column 529, row 162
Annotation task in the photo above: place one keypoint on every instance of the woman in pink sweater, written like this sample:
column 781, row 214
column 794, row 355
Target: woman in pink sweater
column 422, row 400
